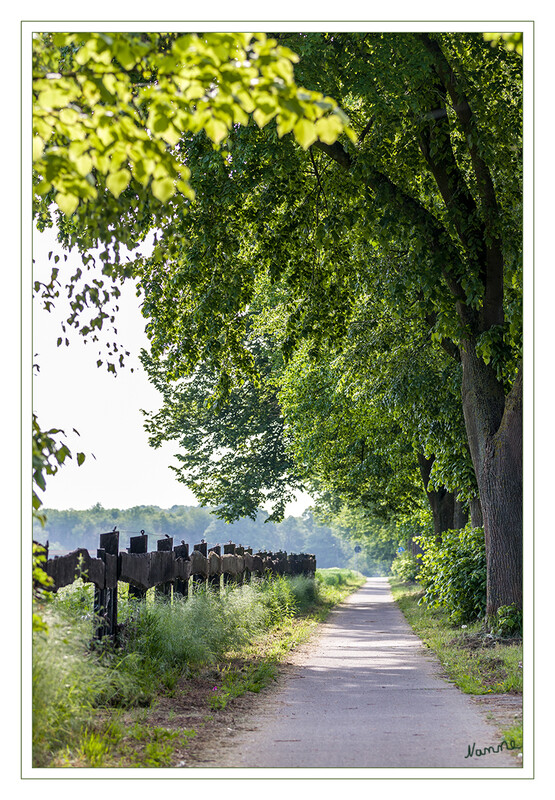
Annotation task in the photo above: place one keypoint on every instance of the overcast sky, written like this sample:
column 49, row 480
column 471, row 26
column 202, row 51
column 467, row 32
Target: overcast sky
column 70, row 391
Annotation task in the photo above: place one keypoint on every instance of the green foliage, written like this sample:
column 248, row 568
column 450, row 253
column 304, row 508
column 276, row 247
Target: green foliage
column 453, row 573
column 512, row 41
column 507, row 622
column 376, row 537
column 233, row 451
column 286, row 215
column 162, row 637
column 362, row 303
column 68, row 682
column 112, row 113
column 120, row 103
column 49, row 454
column 234, row 682
column 466, row 655
column 406, row 566
column 279, row 598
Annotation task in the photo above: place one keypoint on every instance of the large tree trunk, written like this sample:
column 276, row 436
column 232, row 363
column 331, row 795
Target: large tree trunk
column 442, row 502
column 460, row 515
column 501, row 491
column 494, row 428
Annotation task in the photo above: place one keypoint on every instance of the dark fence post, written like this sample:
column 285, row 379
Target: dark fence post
column 99, row 605
column 247, row 573
column 215, row 581
column 164, row 589
column 138, row 544
column 106, row 599
column 181, row 587
column 240, row 578
column 200, row 580
column 229, row 550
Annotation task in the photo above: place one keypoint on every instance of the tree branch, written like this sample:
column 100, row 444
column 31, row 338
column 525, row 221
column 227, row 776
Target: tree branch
column 492, row 258
column 335, row 151
column 438, row 237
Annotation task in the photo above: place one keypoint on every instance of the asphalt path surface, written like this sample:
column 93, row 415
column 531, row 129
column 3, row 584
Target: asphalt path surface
column 368, row 694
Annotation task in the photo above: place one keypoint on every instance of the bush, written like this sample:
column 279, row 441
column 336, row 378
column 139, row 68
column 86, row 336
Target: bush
column 278, row 598
column 196, row 631
column 405, row 566
column 453, row 573
column 507, row 622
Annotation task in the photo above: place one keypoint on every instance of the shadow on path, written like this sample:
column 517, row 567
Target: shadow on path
column 368, row 694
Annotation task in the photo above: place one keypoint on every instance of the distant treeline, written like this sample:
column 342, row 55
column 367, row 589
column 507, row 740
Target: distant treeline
column 69, row 529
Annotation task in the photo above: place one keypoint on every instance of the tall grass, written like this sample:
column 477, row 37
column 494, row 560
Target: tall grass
column 159, row 642
column 68, row 682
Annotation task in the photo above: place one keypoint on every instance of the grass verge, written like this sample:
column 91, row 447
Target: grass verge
column 476, row 661
column 176, row 667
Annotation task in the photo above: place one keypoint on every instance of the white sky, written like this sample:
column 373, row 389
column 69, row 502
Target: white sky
column 70, row 391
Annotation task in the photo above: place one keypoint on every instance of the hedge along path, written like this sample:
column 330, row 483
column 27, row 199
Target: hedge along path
column 172, row 571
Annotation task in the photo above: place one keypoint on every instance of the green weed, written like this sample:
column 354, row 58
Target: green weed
column 235, row 682
column 77, row 680
column 475, row 660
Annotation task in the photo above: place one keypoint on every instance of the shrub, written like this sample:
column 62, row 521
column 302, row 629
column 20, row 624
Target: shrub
column 305, row 592
column 453, row 573
column 333, row 576
column 405, row 566
column 195, row 631
column 507, row 622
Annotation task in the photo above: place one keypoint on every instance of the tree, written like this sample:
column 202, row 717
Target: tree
column 433, row 186
column 233, row 453
column 326, row 422
column 109, row 113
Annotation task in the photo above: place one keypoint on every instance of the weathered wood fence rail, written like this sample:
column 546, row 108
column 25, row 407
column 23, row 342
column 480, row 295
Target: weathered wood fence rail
column 173, row 572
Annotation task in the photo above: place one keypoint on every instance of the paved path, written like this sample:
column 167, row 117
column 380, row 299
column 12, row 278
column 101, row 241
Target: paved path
column 367, row 694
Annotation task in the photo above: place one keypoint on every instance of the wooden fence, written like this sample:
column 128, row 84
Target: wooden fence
column 173, row 572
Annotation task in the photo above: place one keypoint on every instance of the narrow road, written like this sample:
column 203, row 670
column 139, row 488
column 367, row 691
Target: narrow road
column 367, row 694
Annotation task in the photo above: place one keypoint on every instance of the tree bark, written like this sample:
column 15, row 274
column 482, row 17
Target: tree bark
column 442, row 502
column 494, row 429
column 501, row 492
column 460, row 515
column 476, row 516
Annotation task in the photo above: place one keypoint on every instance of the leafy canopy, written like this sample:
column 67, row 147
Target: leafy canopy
column 110, row 111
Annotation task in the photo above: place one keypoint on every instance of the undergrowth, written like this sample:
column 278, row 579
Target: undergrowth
column 476, row 660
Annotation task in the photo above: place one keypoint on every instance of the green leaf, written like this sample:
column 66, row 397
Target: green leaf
column 216, row 129
column 305, row 133
column 67, row 202
column 118, row 181
column 328, row 129
column 38, row 147
column 163, row 189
